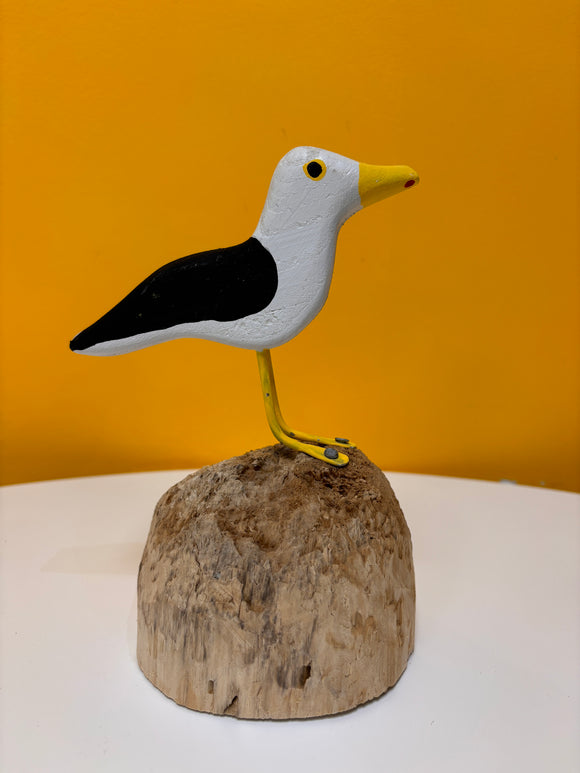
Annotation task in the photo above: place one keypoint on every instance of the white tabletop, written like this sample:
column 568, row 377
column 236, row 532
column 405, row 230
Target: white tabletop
column 493, row 684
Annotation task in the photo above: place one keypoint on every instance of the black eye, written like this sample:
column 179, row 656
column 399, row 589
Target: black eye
column 315, row 169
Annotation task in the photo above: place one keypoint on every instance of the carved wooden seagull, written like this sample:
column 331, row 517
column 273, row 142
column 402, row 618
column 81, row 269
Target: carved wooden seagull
column 259, row 294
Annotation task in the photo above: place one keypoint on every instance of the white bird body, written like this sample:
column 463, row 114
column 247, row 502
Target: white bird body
column 299, row 228
column 261, row 293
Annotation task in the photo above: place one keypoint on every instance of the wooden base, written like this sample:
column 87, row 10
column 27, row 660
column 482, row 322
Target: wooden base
column 274, row 586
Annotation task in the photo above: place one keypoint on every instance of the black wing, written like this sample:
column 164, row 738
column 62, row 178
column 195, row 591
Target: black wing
column 221, row 285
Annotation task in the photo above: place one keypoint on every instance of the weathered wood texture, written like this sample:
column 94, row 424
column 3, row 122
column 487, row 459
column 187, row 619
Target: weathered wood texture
column 274, row 586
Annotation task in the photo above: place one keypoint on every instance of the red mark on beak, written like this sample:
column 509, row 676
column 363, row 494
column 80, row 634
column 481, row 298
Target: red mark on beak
column 409, row 183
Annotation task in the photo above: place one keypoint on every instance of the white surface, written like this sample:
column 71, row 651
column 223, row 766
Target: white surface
column 493, row 684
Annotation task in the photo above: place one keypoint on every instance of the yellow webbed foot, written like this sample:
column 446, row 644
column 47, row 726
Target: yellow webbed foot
column 329, row 455
column 300, row 441
column 325, row 441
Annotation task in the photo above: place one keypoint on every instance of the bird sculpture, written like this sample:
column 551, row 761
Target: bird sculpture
column 263, row 292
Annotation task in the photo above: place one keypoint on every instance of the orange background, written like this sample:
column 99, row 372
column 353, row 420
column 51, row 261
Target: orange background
column 137, row 132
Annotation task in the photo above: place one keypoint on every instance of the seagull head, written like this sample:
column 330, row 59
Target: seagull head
column 314, row 186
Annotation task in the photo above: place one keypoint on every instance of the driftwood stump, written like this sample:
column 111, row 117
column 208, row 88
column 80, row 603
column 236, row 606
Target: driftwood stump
column 274, row 586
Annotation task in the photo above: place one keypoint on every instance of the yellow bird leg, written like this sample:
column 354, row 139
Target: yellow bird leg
column 326, row 441
column 335, row 441
column 281, row 430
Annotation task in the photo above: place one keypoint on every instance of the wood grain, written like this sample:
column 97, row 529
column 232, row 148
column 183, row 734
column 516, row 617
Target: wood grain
column 273, row 586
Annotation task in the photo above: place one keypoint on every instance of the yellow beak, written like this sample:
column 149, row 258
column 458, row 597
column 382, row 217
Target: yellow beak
column 377, row 182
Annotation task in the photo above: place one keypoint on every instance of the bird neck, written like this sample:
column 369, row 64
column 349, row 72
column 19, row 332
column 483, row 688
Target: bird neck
column 304, row 251
column 304, row 258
